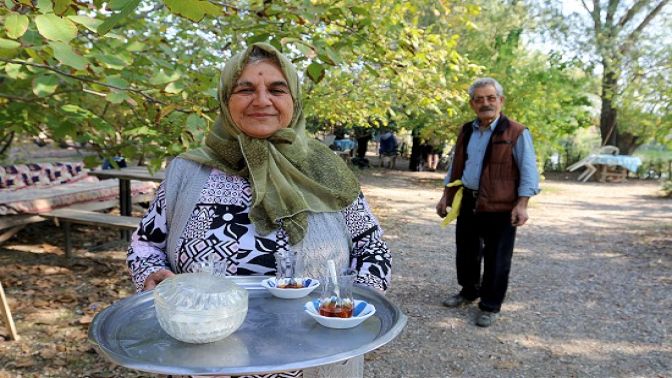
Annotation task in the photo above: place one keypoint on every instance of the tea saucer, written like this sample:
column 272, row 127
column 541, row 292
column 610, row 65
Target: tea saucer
column 361, row 312
column 309, row 284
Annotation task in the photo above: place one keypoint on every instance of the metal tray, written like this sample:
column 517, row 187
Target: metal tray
column 277, row 335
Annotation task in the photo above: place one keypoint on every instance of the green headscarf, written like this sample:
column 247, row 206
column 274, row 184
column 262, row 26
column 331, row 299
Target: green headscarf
column 290, row 174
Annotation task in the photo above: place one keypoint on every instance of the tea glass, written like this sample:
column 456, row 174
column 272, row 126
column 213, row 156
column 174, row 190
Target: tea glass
column 216, row 268
column 285, row 263
column 336, row 300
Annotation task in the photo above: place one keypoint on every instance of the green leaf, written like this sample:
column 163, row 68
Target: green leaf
column 334, row 57
column 359, row 10
column 142, row 130
column 174, row 88
column 88, row 22
column 135, row 46
column 264, row 37
column 117, row 81
column 16, row 24
column 211, row 92
column 55, row 28
column 117, row 97
column 60, row 6
column 45, row 6
column 91, row 161
column 315, row 72
column 66, row 55
column 112, row 62
column 306, row 50
column 44, row 85
column 161, row 78
column 194, row 10
column 127, row 8
column 13, row 71
column 32, row 38
column 195, row 122
column 119, row 4
column 8, row 44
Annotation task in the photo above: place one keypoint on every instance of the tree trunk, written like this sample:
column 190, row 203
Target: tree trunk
column 627, row 143
column 610, row 135
column 608, row 113
column 414, row 162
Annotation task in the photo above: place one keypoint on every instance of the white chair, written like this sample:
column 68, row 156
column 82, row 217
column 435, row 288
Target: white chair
column 587, row 162
column 608, row 150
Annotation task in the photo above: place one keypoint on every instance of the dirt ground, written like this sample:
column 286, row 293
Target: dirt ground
column 589, row 292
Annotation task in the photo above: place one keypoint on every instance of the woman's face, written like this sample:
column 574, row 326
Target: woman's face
column 261, row 103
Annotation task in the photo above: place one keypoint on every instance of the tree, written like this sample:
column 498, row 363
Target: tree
column 138, row 78
column 621, row 37
column 547, row 93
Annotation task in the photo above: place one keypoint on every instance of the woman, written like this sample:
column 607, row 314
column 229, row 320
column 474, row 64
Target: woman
column 257, row 187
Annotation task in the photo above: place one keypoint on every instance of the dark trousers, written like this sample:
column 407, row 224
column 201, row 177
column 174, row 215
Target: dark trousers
column 487, row 237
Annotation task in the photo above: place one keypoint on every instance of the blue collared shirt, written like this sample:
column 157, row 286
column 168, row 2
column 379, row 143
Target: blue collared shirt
column 523, row 154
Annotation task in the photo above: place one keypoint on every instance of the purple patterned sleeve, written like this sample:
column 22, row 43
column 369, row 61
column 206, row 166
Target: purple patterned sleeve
column 147, row 252
column 370, row 255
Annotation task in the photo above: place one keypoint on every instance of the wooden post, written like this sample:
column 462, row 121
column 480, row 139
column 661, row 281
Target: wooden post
column 7, row 315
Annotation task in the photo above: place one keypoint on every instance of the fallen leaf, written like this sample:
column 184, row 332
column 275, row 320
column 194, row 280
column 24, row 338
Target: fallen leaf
column 48, row 354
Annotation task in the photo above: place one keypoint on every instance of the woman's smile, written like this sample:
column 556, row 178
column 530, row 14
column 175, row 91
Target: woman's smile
column 261, row 103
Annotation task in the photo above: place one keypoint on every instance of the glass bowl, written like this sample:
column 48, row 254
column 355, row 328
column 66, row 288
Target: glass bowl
column 275, row 287
column 199, row 307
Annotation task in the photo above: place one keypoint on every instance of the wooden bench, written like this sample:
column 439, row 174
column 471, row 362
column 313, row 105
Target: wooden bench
column 68, row 215
column 612, row 174
column 11, row 224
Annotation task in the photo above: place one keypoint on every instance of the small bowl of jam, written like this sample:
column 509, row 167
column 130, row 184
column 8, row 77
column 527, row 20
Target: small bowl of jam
column 339, row 317
column 290, row 288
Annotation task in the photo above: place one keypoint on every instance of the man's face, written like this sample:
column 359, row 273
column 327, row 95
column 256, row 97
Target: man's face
column 486, row 104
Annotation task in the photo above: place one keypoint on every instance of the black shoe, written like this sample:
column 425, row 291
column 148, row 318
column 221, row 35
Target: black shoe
column 456, row 301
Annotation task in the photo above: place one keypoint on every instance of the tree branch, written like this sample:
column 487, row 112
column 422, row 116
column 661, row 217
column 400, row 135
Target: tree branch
column 34, row 98
column 83, row 78
column 632, row 38
column 632, row 12
column 595, row 15
column 149, row 98
column 612, row 6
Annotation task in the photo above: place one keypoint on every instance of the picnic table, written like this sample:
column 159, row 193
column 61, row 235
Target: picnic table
column 344, row 144
column 125, row 175
column 609, row 167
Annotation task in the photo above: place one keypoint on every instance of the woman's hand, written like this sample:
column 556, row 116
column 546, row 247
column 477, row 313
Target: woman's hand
column 153, row 279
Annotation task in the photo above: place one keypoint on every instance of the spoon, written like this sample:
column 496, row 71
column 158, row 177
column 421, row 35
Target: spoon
column 334, row 277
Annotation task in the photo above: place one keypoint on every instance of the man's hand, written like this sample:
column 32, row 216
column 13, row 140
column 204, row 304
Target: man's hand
column 519, row 213
column 441, row 207
column 156, row 277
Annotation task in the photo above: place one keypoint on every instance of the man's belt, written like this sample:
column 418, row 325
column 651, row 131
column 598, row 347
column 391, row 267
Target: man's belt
column 470, row 193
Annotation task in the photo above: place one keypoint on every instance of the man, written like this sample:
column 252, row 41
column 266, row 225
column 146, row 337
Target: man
column 495, row 160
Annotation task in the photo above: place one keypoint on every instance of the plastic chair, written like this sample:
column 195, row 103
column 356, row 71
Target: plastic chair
column 608, row 150
column 586, row 162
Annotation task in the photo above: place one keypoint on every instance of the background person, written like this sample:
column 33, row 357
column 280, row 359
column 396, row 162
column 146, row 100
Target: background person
column 388, row 148
column 495, row 160
column 259, row 186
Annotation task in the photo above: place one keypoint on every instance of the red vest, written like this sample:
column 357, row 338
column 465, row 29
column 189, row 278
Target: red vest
column 498, row 187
